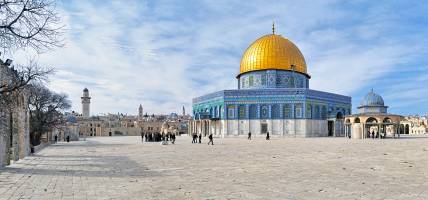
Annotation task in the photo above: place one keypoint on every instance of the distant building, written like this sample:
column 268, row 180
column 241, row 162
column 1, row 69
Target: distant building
column 372, row 117
column 123, row 125
column 415, row 125
column 86, row 103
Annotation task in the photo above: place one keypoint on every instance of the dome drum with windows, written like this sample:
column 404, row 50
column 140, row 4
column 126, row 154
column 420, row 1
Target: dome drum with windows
column 273, row 61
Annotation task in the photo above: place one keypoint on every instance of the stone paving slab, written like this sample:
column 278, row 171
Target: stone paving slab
column 234, row 168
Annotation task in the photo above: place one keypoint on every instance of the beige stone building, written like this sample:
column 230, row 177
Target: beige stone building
column 124, row 125
column 414, row 125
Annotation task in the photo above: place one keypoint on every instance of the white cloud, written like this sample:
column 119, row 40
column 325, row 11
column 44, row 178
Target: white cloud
column 163, row 54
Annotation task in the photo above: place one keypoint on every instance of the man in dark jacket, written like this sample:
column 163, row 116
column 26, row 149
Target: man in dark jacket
column 211, row 139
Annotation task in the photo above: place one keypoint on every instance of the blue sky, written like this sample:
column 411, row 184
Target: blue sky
column 163, row 53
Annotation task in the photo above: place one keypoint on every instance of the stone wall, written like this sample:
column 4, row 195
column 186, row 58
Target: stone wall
column 14, row 121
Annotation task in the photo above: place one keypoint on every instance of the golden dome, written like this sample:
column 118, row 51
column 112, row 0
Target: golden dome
column 272, row 52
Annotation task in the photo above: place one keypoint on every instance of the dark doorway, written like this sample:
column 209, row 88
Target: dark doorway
column 264, row 128
column 407, row 129
column 330, row 128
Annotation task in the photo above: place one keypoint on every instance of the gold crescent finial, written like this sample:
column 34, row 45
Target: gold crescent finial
column 273, row 27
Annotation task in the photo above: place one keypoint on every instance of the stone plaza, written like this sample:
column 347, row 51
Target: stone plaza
column 233, row 168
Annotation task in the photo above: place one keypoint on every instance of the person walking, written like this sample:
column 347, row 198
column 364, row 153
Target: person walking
column 211, row 139
column 56, row 138
column 267, row 136
column 173, row 138
column 200, row 138
column 68, row 138
column 373, row 134
column 142, row 137
column 249, row 135
column 193, row 138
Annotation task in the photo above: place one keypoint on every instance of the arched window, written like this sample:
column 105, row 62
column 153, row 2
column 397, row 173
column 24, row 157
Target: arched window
column 231, row 111
column 324, row 112
column 275, row 111
column 308, row 111
column 317, row 112
column 242, row 112
column 287, row 111
column 264, row 111
column 253, row 111
column 263, row 77
column 298, row 110
column 251, row 81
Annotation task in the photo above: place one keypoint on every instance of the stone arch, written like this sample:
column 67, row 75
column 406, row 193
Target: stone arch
column 406, row 129
column 387, row 120
column 357, row 120
column 371, row 120
column 348, row 121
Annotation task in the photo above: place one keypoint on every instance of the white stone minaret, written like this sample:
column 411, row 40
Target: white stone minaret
column 86, row 101
column 140, row 112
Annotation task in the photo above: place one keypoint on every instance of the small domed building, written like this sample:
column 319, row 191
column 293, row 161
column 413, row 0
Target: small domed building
column 372, row 120
column 273, row 96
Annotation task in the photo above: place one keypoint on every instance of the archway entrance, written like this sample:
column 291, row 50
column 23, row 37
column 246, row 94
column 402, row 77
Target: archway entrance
column 264, row 127
column 372, row 127
column 339, row 125
column 330, row 124
column 407, row 129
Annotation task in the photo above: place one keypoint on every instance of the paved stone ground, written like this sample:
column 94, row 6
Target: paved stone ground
column 289, row 168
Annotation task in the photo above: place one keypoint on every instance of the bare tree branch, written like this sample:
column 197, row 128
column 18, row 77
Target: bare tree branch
column 30, row 23
column 24, row 75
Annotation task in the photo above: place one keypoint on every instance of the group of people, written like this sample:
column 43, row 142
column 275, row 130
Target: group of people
column 67, row 138
column 195, row 138
column 376, row 134
column 158, row 137
column 267, row 136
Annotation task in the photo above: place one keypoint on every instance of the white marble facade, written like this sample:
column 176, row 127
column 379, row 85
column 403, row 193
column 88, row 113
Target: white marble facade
column 258, row 128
